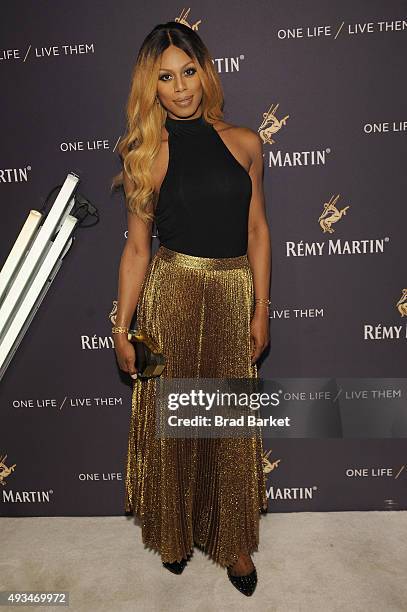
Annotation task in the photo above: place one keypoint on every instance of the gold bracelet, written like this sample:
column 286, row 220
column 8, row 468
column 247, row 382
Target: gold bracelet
column 262, row 301
column 120, row 330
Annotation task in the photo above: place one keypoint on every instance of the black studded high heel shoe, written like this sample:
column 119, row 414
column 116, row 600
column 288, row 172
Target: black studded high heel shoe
column 244, row 584
column 177, row 567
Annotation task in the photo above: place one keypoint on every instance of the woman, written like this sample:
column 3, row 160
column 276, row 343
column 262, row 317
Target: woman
column 203, row 297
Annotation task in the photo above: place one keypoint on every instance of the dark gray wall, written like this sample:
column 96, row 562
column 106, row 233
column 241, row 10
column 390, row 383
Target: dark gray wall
column 344, row 93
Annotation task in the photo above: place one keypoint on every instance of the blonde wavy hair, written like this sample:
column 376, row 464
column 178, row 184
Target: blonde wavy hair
column 141, row 143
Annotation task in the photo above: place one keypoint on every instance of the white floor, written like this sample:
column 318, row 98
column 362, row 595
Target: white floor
column 307, row 562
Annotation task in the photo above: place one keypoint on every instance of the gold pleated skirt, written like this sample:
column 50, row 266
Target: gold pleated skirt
column 209, row 491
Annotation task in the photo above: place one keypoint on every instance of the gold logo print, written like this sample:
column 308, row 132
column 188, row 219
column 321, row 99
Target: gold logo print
column 331, row 215
column 267, row 465
column 5, row 470
column 270, row 124
column 183, row 19
column 402, row 303
column 113, row 312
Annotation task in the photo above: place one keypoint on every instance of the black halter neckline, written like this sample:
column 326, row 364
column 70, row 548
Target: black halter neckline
column 185, row 126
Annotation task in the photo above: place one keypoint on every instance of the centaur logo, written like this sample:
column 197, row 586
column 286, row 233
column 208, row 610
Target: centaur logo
column 10, row 496
column 269, row 466
column 14, row 175
column 331, row 214
column 291, row 492
column 183, row 17
column 271, row 125
column 402, row 303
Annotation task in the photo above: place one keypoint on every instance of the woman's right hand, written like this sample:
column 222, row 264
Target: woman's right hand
column 126, row 355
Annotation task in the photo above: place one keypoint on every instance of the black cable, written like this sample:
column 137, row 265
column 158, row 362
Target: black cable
column 81, row 209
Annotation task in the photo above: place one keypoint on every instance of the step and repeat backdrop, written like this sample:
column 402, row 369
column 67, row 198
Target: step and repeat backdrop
column 323, row 84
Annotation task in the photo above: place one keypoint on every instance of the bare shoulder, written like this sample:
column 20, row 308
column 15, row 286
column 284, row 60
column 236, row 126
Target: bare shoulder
column 238, row 130
column 244, row 137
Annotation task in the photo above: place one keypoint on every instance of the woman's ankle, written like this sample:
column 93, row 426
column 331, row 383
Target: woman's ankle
column 243, row 566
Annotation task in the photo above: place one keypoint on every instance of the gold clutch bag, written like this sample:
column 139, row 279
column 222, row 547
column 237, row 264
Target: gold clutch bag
column 149, row 360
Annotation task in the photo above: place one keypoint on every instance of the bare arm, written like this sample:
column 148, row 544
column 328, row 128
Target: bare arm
column 259, row 242
column 258, row 248
column 133, row 266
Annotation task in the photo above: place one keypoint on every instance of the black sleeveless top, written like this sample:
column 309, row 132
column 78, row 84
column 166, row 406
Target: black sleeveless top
column 203, row 204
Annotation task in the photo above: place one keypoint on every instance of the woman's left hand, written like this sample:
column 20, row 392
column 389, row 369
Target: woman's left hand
column 259, row 332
